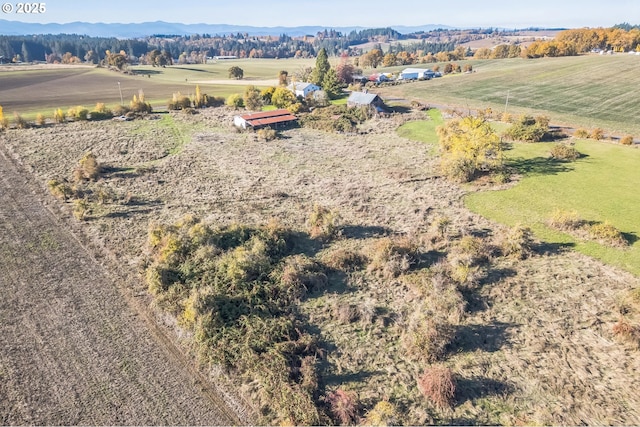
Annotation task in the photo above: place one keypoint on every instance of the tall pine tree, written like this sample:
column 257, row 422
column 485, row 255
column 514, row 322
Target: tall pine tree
column 322, row 66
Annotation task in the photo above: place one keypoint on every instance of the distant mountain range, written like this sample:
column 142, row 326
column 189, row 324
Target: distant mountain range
column 16, row 28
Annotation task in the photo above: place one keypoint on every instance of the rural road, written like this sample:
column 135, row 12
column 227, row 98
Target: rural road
column 72, row 349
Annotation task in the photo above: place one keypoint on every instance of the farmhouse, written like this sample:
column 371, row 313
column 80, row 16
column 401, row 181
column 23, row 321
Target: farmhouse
column 362, row 99
column 416, row 73
column 303, row 89
column 273, row 118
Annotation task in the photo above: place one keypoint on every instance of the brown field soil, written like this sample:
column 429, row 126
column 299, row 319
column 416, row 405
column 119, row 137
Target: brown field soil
column 535, row 346
column 48, row 88
column 72, row 349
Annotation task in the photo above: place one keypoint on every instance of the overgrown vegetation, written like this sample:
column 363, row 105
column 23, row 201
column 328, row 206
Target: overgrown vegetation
column 336, row 118
column 468, row 147
column 236, row 287
column 528, row 129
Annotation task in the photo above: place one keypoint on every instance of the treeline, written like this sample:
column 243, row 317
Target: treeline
column 575, row 42
column 196, row 48
column 38, row 47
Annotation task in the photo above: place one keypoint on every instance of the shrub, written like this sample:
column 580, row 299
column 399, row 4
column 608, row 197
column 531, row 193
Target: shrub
column 78, row 113
column 383, row 414
column 392, row 257
column 138, row 104
column 41, row 120
column 20, row 122
column 564, row 152
column 528, row 129
column 565, row 220
column 235, row 101
column 581, row 133
column 440, row 226
column 438, row 385
column 59, row 116
column 88, row 169
column 468, row 146
column 518, row 242
column 267, row 134
column 607, row 234
column 597, row 134
column 59, row 189
column 624, row 331
column 179, row 102
column 81, row 209
column 344, row 260
column 323, row 223
column 426, row 338
column 299, row 275
column 506, row 118
column 343, row 406
column 627, row 140
column 101, row 112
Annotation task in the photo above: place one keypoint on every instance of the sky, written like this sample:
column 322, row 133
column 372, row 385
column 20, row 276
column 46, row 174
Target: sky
column 337, row 13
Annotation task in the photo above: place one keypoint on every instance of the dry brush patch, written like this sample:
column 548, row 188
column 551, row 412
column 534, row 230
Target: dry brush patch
column 541, row 325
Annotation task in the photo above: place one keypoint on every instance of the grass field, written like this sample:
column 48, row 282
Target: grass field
column 601, row 187
column 586, row 91
column 528, row 346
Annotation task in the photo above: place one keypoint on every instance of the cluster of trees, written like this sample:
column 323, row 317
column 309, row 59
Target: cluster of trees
column 38, row 47
column 574, row 42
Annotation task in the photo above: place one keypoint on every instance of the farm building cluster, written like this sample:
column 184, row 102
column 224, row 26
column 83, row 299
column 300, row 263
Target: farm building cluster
column 283, row 117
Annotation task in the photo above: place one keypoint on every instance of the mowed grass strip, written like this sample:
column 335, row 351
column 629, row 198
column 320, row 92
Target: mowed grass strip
column 423, row 130
column 602, row 186
column 587, row 91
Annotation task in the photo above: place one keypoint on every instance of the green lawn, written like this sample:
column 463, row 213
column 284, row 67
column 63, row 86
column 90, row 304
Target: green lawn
column 424, row 131
column 602, row 186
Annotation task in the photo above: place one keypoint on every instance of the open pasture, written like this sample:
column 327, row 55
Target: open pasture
column 585, row 91
column 600, row 187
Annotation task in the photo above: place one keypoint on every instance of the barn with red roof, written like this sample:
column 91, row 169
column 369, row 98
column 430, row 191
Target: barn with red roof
column 274, row 118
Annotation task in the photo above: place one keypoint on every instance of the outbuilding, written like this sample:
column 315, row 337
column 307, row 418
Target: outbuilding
column 273, row 118
column 362, row 99
column 416, row 74
column 303, row 89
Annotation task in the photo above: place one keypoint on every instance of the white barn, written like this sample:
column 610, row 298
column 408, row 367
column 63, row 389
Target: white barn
column 416, row 73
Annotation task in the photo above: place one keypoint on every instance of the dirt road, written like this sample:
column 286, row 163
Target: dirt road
column 72, row 350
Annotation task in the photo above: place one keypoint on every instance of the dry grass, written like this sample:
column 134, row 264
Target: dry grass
column 536, row 336
column 343, row 406
column 438, row 386
column 626, row 332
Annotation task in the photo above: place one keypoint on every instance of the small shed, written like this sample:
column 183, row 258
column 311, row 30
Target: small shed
column 303, row 89
column 362, row 99
column 273, row 118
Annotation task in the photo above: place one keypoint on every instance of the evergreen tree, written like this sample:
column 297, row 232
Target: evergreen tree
column 322, row 66
column 331, row 84
column 26, row 56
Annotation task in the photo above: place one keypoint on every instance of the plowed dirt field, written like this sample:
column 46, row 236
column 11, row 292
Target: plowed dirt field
column 72, row 349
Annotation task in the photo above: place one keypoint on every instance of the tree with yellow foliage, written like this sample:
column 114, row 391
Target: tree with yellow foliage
column 468, row 146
